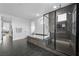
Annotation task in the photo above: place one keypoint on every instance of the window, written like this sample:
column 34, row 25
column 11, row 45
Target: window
column 62, row 17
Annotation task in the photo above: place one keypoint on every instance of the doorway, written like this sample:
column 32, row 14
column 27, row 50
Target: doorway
column 7, row 34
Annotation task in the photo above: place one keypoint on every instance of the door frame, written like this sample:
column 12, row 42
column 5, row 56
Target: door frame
column 7, row 21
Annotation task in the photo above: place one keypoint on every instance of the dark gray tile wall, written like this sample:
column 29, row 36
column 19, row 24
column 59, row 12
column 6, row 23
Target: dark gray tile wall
column 52, row 27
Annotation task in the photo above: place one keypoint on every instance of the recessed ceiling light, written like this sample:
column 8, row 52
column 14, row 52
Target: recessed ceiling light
column 54, row 7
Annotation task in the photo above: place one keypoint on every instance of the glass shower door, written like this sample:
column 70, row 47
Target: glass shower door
column 63, row 41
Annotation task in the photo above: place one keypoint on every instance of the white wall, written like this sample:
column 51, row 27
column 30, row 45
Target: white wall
column 17, row 23
column 38, row 25
column 20, row 23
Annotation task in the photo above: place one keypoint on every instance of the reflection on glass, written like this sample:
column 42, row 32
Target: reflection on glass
column 32, row 27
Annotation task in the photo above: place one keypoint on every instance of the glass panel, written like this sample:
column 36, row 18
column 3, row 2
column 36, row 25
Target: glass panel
column 37, row 28
column 65, row 31
column 62, row 38
column 46, row 28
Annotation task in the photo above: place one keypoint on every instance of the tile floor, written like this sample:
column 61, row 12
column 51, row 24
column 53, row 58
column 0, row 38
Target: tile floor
column 21, row 48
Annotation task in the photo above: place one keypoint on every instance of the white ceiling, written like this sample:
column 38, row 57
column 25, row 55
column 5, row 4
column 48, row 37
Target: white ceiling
column 28, row 10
